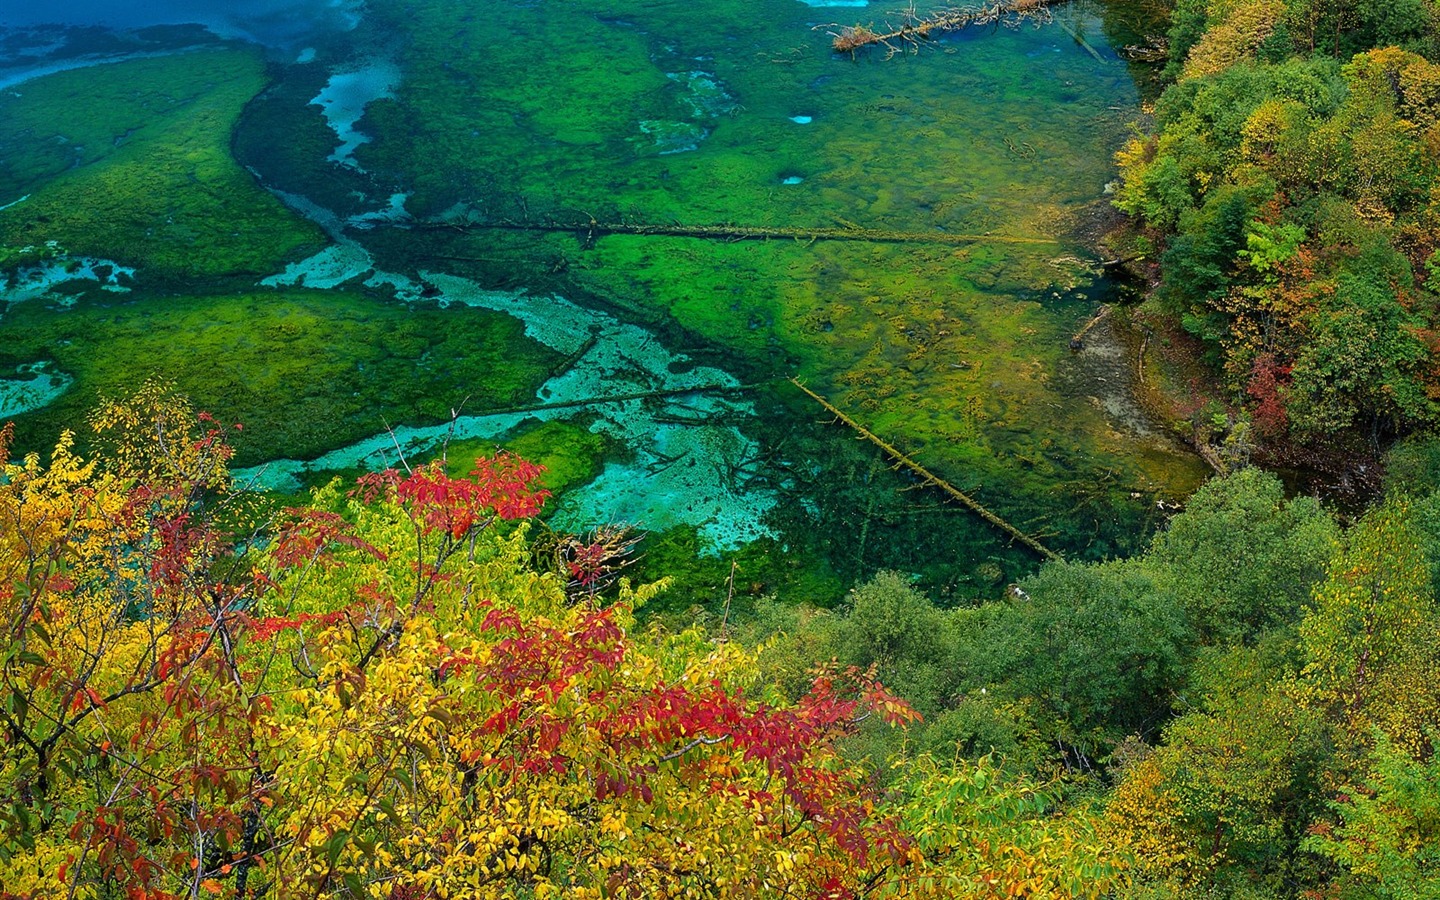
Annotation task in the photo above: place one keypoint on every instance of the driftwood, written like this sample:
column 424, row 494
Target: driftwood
column 1155, row 49
column 915, row 30
column 1210, row 455
column 931, row 478
column 592, row 230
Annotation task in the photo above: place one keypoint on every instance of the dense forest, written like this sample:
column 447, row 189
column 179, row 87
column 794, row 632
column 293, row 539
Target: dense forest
column 408, row 686
column 1290, row 188
column 405, row 691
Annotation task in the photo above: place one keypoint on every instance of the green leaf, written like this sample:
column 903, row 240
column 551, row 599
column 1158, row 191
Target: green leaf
column 336, row 845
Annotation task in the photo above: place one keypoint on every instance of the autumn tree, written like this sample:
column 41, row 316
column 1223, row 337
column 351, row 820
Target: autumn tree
column 1387, row 837
column 1372, row 633
column 380, row 696
column 1291, row 182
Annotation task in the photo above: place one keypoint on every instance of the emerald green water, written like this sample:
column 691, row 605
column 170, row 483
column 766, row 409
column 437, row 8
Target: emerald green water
column 279, row 278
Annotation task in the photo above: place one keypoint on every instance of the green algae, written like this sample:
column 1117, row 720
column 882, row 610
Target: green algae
column 568, row 82
column 70, row 120
column 956, row 354
column 131, row 161
column 302, row 371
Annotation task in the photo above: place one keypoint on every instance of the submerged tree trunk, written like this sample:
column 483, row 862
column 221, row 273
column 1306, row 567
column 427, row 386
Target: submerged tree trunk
column 929, row 477
column 593, row 230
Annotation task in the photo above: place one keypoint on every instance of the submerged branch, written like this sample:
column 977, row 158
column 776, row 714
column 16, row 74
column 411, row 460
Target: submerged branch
column 1078, row 341
column 931, row 478
column 623, row 398
column 592, row 230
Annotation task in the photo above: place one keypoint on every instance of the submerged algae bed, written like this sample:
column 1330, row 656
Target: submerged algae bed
column 132, row 161
column 303, row 371
column 698, row 113
column 959, row 354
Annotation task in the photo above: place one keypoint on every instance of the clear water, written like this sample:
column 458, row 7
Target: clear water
column 318, row 173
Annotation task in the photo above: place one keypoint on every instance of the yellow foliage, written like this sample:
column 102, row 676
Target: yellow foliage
column 980, row 833
column 1144, row 816
column 379, row 702
column 1234, row 37
column 1371, row 635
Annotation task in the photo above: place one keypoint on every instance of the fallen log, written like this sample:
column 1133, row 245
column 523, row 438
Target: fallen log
column 593, row 230
column 931, row 478
column 1078, row 340
column 1084, row 44
column 917, row 29
column 620, row 398
column 1211, row 456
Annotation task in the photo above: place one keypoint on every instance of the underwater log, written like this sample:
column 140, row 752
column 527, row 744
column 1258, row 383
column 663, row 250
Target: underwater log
column 1084, row 44
column 1078, row 340
column 622, row 398
column 592, row 230
column 931, row 478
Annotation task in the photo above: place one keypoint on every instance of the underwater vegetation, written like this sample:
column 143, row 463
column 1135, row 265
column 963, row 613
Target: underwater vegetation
column 131, row 161
column 957, row 353
column 301, row 371
column 403, row 141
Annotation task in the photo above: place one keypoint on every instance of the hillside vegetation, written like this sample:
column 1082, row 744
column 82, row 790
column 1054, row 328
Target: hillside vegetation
column 396, row 691
column 1293, row 184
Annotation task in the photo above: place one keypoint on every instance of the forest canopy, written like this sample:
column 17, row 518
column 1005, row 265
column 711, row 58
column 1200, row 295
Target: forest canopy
column 1290, row 185
column 402, row 689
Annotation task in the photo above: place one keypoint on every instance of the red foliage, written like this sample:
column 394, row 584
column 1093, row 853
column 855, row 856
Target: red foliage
column 266, row 628
column 501, row 486
column 179, row 544
column 310, row 532
column 586, row 566
column 674, row 724
column 1267, row 382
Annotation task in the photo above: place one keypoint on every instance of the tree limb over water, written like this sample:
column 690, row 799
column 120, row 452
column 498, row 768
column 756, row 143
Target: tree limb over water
column 915, row 29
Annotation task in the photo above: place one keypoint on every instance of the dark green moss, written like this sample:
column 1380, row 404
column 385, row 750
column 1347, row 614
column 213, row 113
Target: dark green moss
column 299, row 163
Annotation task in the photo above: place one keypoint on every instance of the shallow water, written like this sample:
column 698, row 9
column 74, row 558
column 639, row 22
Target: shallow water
column 702, row 113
